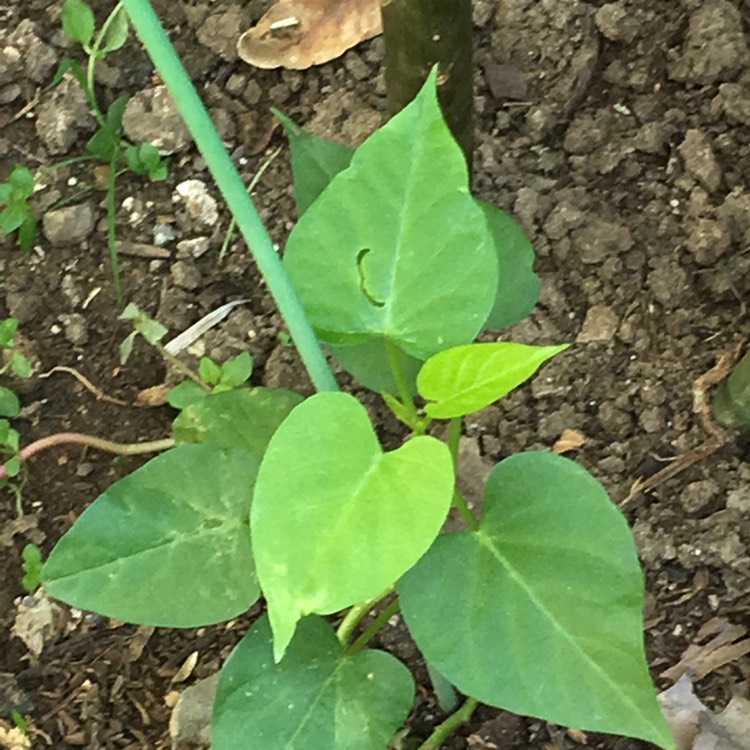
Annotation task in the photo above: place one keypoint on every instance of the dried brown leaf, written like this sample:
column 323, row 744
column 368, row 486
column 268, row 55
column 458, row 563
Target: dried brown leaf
column 298, row 34
column 570, row 440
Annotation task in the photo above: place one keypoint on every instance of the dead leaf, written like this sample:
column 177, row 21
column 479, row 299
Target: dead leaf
column 138, row 642
column 156, row 395
column 186, row 669
column 297, row 34
column 27, row 526
column 38, row 621
column 12, row 738
column 570, row 440
column 683, row 711
column 704, row 656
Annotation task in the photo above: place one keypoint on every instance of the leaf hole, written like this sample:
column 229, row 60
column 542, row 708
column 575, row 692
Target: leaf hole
column 371, row 298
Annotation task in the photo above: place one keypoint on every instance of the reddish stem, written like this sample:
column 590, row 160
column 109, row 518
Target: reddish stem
column 79, row 438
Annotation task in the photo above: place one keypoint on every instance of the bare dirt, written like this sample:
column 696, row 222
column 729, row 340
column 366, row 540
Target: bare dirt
column 617, row 133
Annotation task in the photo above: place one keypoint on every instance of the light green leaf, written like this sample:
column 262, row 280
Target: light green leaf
column 540, row 611
column 209, row 371
column 184, row 394
column 237, row 370
column 396, row 247
column 335, row 520
column 315, row 698
column 468, row 378
column 518, row 285
column 78, row 21
column 10, row 406
column 117, row 32
column 8, row 328
column 242, row 418
column 315, row 161
column 168, row 545
column 22, row 181
column 13, row 216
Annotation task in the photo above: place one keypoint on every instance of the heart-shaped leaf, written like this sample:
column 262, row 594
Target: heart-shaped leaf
column 540, row 611
column 315, row 698
column 167, row 545
column 335, row 520
column 395, row 247
column 467, row 378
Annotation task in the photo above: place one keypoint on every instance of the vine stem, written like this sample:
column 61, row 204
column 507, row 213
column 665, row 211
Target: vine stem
column 374, row 627
column 355, row 614
column 404, row 392
column 93, row 54
column 90, row 441
column 447, row 727
column 459, row 501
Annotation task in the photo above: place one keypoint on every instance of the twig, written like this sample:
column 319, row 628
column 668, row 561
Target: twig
column 87, row 384
column 717, row 437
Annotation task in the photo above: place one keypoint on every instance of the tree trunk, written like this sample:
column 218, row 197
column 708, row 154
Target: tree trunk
column 419, row 34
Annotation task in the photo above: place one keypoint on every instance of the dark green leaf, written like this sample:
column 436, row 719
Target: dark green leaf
column 518, row 285
column 104, row 144
column 167, row 545
column 27, row 233
column 315, row 162
column 316, row 698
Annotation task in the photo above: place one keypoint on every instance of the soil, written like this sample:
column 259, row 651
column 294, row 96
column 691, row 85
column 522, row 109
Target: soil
column 617, row 133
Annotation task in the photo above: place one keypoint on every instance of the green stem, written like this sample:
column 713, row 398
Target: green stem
column 443, row 730
column 180, row 366
column 93, row 54
column 355, row 614
column 374, row 627
column 114, row 258
column 404, row 392
column 459, row 501
column 198, row 121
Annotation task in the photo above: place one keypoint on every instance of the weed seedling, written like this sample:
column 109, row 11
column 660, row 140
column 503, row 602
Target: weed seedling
column 16, row 214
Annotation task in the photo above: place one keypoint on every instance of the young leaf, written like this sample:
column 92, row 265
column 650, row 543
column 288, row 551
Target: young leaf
column 184, row 394
column 12, row 216
column 27, row 233
column 117, row 32
column 8, row 328
column 335, row 520
column 75, row 68
column 32, row 565
column 237, row 370
column 78, row 21
column 327, row 700
column 104, row 143
column 222, row 419
column 209, row 371
column 20, row 365
column 10, row 406
column 22, row 181
column 168, row 545
column 315, row 161
column 518, row 285
column 468, row 378
column 540, row 611
column 399, row 221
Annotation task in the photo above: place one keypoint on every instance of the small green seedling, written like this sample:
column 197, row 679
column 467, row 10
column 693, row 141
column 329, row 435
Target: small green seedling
column 108, row 143
column 32, row 566
column 535, row 606
column 16, row 214
column 11, row 360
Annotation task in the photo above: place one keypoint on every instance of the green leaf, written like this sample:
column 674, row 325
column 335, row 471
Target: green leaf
column 369, row 364
column 32, row 565
column 27, row 233
column 149, row 156
column 316, row 698
column 10, row 406
column 209, row 371
column 241, row 418
column 78, row 21
column 315, row 162
column 150, row 329
column 335, row 520
column 159, row 172
column 237, row 370
column 6, row 191
column 396, row 247
column 8, row 328
column 12, row 216
column 184, row 394
column 68, row 65
column 20, row 365
column 22, row 181
column 13, row 464
column 467, row 378
column 518, row 285
column 126, row 347
column 117, row 32
column 168, row 545
column 104, row 144
column 540, row 611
